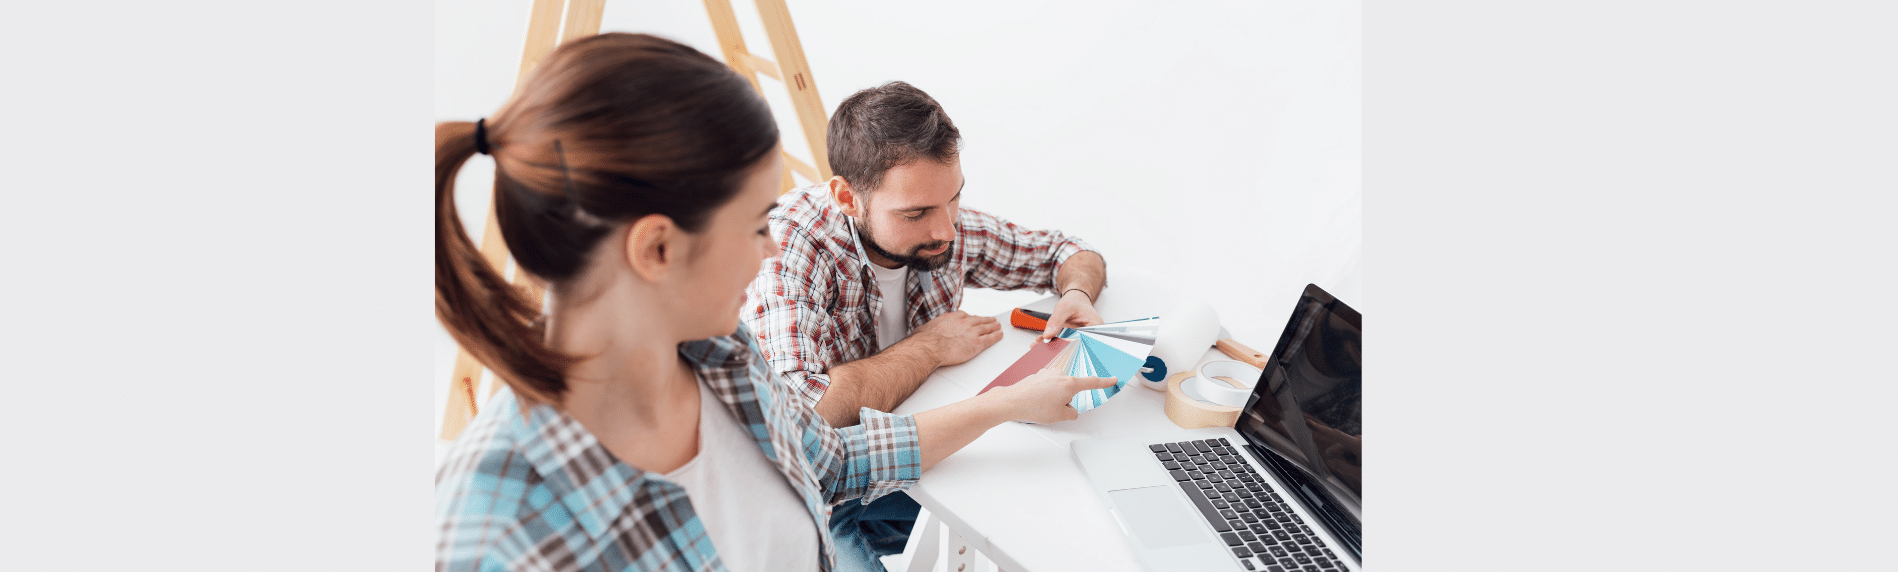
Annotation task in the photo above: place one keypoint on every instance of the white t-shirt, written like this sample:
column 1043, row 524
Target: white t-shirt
column 755, row 519
column 892, row 321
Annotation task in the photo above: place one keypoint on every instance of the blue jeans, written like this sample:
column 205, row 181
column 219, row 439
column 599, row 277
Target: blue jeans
column 863, row 532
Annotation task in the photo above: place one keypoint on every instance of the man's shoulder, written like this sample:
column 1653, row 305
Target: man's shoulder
column 981, row 224
column 807, row 208
column 970, row 215
column 809, row 226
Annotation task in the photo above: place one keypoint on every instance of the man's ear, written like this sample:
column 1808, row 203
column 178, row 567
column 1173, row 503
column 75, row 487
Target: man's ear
column 845, row 197
column 652, row 246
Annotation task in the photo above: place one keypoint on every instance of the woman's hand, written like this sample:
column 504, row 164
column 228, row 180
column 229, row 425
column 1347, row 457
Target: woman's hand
column 1043, row 396
column 1039, row 398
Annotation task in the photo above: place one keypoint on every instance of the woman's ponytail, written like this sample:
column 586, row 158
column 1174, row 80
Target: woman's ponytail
column 606, row 129
column 491, row 319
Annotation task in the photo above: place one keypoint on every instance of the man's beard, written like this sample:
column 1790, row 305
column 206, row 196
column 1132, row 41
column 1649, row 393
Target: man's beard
column 911, row 260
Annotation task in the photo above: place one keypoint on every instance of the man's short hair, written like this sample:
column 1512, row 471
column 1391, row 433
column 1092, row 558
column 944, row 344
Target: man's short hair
column 880, row 128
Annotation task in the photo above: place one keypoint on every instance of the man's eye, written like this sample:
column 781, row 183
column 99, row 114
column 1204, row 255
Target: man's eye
column 917, row 216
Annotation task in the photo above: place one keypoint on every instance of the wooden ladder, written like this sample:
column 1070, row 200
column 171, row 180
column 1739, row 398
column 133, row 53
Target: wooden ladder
column 555, row 22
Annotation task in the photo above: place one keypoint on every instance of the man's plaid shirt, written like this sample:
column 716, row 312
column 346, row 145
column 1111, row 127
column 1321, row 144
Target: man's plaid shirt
column 816, row 306
column 538, row 492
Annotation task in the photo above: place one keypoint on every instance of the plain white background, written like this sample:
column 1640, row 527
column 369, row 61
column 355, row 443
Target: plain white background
column 1628, row 265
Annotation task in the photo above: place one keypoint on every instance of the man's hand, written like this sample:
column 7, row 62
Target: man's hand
column 957, row 336
column 884, row 380
column 1043, row 396
column 1073, row 311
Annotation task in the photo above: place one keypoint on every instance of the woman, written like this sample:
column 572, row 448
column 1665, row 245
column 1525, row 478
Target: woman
column 633, row 176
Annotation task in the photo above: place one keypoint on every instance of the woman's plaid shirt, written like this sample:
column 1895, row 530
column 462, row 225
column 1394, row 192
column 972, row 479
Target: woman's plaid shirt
column 538, row 492
column 816, row 306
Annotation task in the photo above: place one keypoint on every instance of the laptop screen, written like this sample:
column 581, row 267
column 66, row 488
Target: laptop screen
column 1308, row 401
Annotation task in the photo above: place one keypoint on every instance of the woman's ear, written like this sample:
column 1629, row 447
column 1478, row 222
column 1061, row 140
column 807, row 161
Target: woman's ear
column 652, row 246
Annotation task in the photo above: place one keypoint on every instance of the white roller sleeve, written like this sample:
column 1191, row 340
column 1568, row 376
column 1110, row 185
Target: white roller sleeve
column 1186, row 332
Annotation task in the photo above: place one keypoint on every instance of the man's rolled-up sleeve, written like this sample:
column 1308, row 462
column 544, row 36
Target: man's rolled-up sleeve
column 790, row 326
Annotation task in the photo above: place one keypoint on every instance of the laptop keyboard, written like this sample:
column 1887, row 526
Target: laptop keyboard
column 1257, row 524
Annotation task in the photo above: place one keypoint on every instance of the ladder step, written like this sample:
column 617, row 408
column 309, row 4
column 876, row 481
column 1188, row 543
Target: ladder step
column 761, row 65
column 801, row 167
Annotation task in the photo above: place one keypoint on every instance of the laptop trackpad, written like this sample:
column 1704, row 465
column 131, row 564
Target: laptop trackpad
column 1159, row 517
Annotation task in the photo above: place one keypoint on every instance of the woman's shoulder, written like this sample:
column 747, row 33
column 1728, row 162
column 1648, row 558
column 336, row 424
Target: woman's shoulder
column 488, row 457
column 483, row 488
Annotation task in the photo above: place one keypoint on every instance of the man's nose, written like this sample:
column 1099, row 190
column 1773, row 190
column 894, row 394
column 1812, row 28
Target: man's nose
column 945, row 230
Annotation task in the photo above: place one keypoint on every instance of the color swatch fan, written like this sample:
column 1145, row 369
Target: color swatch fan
column 1116, row 350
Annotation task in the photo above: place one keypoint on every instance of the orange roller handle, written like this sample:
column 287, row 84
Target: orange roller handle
column 1028, row 320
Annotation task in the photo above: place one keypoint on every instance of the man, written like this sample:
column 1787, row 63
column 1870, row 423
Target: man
column 861, row 306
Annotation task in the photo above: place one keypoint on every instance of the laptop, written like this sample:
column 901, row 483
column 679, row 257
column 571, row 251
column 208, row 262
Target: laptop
column 1267, row 495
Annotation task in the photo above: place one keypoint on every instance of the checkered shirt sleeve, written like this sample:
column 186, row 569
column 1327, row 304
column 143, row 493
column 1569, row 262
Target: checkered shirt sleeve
column 801, row 339
column 1006, row 256
column 878, row 456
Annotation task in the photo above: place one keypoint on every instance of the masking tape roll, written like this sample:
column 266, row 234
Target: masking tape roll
column 1189, row 413
column 1223, row 382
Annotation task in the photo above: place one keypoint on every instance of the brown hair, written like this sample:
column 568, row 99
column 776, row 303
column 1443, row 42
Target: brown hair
column 605, row 130
column 879, row 128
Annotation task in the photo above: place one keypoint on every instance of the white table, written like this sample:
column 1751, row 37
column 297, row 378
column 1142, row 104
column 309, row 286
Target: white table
column 1015, row 493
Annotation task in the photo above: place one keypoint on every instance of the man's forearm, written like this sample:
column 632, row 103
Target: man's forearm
column 1085, row 270
column 878, row 382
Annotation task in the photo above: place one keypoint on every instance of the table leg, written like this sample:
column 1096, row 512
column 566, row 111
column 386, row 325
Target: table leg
column 925, row 543
column 961, row 557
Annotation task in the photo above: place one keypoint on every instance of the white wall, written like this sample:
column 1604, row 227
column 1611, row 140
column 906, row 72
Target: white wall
column 1216, row 143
